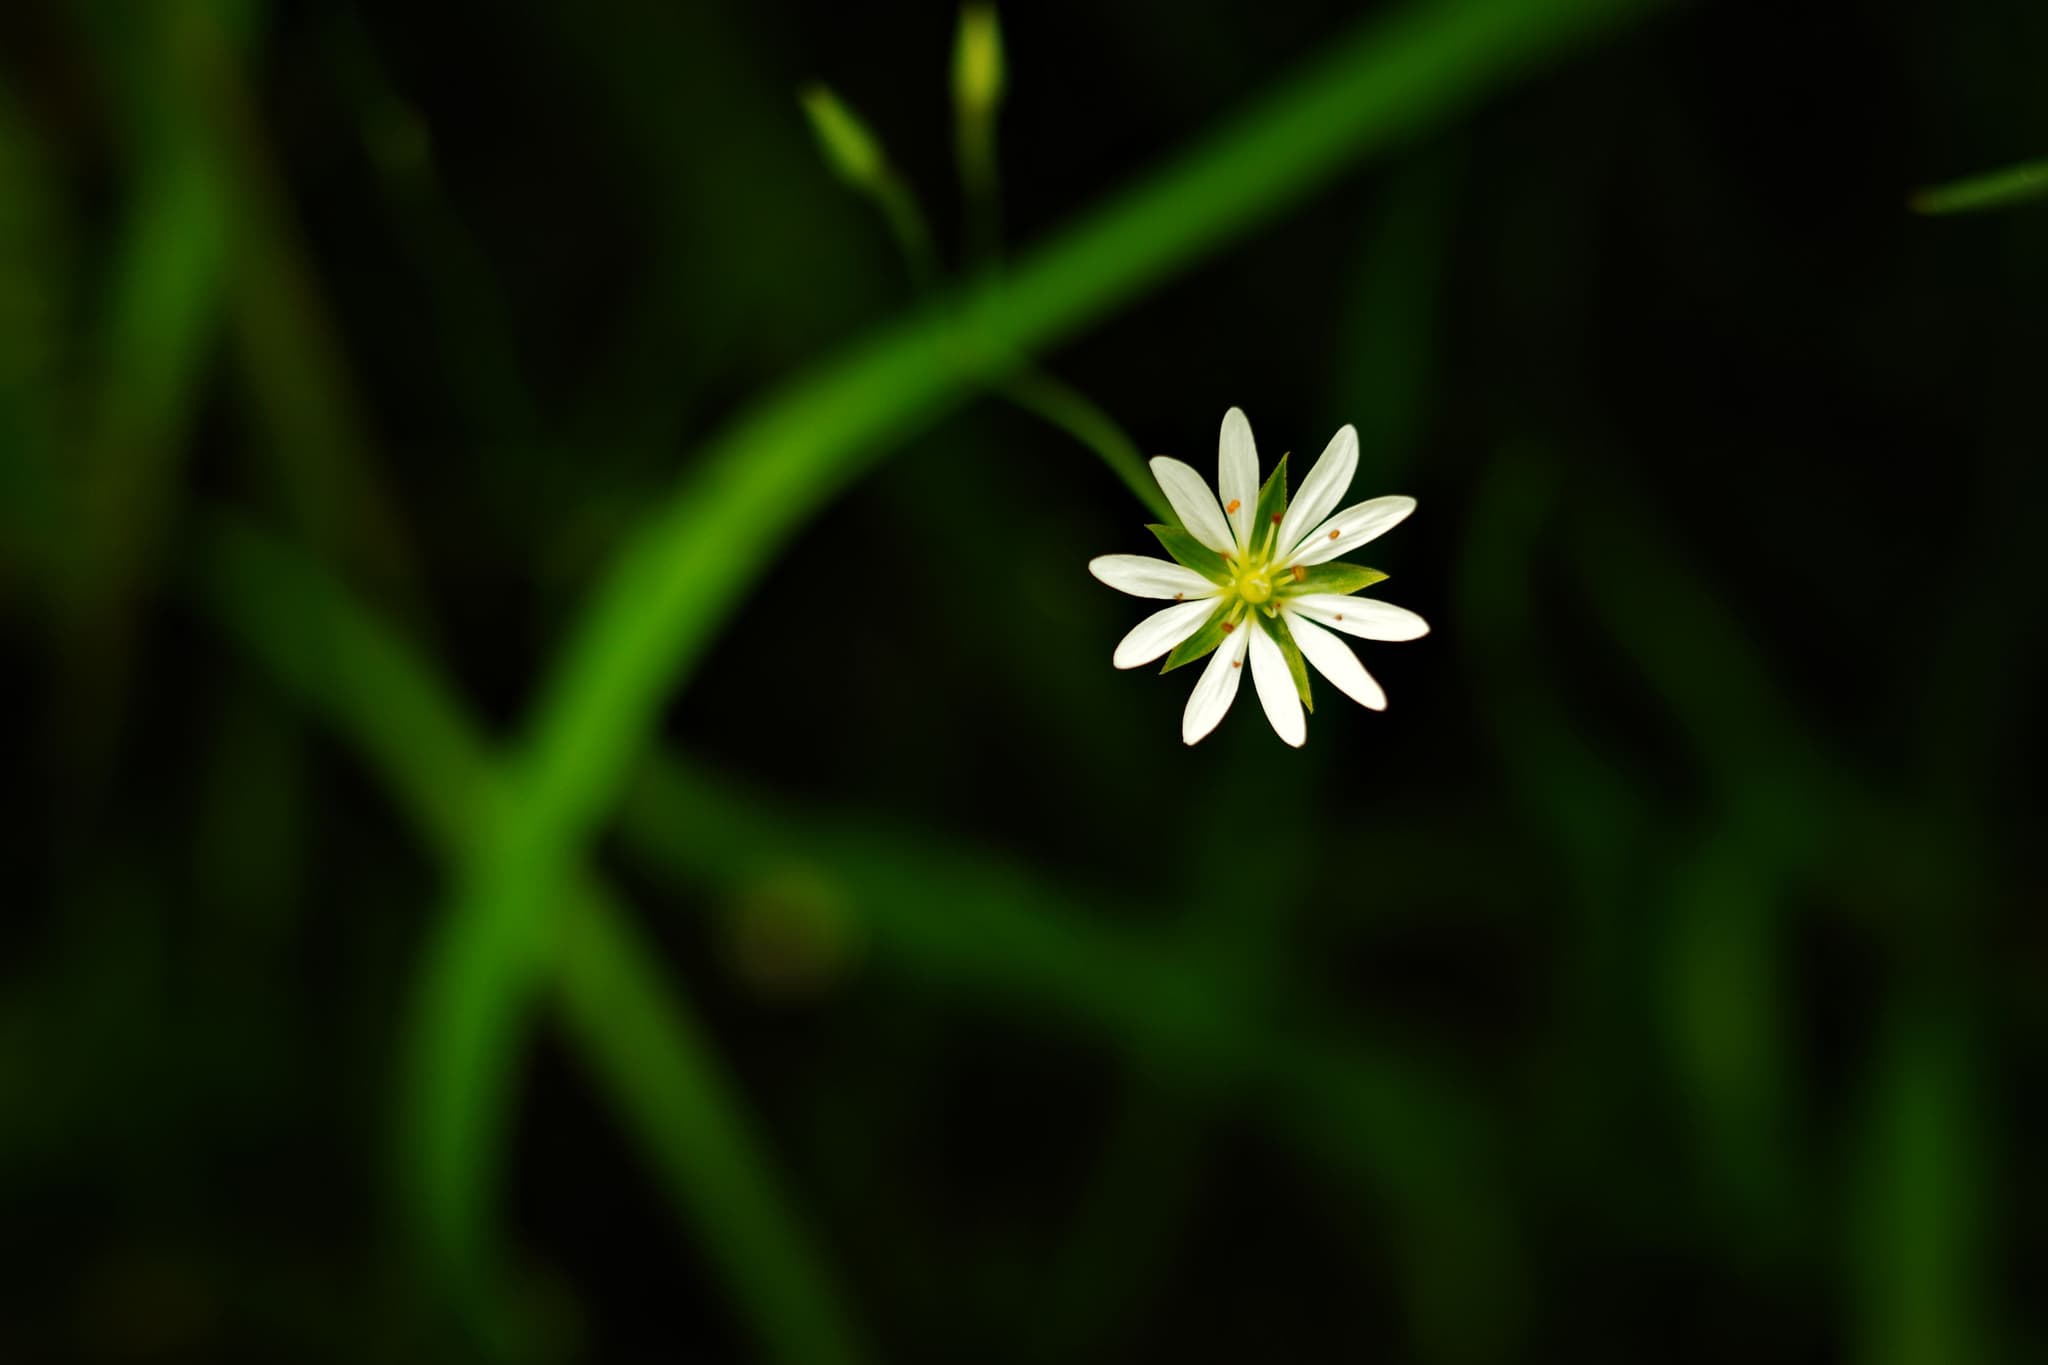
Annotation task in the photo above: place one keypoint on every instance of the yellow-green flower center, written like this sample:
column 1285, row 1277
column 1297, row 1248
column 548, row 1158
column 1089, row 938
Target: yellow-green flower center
column 1251, row 573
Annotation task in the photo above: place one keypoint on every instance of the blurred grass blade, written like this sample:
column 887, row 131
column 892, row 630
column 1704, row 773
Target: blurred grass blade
column 633, row 1032
column 650, row 619
column 287, row 341
column 1993, row 190
column 1920, row 1219
column 152, row 348
column 974, row 926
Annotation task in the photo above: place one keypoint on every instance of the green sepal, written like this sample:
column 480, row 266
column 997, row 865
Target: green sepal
column 1297, row 667
column 1338, row 578
column 1272, row 503
column 1190, row 553
column 1201, row 644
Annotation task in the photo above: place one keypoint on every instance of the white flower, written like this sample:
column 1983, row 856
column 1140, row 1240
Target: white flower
column 1253, row 575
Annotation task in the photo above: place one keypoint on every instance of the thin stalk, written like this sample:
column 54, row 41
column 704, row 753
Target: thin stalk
column 1067, row 408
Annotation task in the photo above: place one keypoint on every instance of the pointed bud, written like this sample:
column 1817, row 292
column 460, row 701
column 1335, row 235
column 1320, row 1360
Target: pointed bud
column 978, row 59
column 849, row 148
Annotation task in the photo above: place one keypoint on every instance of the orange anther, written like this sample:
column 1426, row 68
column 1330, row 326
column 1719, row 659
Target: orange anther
column 1276, row 518
column 1333, row 535
column 1300, row 572
column 1228, row 627
column 1237, row 663
column 1234, row 505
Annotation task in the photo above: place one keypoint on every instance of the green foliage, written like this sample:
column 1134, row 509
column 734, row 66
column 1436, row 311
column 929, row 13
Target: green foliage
column 1272, row 500
column 1618, row 1013
column 676, row 579
column 1998, row 189
column 1202, row 643
column 1333, row 577
column 1297, row 667
column 1190, row 553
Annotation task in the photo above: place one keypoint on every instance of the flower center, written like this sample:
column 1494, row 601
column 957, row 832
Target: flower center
column 1253, row 585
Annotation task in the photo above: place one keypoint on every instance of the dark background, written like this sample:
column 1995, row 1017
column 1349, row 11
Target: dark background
column 1660, row 977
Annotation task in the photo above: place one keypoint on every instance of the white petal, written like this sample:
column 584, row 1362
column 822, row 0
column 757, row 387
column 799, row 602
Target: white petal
column 1217, row 687
column 1276, row 688
column 1351, row 527
column 1237, row 473
column 1193, row 503
column 1161, row 631
column 1334, row 660
column 1365, row 617
column 1321, row 490
column 1143, row 576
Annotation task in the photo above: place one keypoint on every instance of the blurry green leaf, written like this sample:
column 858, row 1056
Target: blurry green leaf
column 1992, row 190
column 1200, row 644
column 1297, row 667
column 848, row 147
column 1924, row 1185
column 1272, row 500
column 1191, row 553
column 1337, row 578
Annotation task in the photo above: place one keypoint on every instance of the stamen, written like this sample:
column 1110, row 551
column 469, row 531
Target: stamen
column 1276, row 518
column 1338, row 617
column 1234, row 505
column 1300, row 572
column 1178, row 596
column 1333, row 535
column 1237, row 663
column 1227, row 627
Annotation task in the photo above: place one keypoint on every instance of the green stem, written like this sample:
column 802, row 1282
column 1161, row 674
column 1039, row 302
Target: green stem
column 907, row 226
column 1071, row 411
column 633, row 1031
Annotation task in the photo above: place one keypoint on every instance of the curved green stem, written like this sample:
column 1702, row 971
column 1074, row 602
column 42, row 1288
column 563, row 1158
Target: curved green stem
column 1071, row 411
column 634, row 1032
